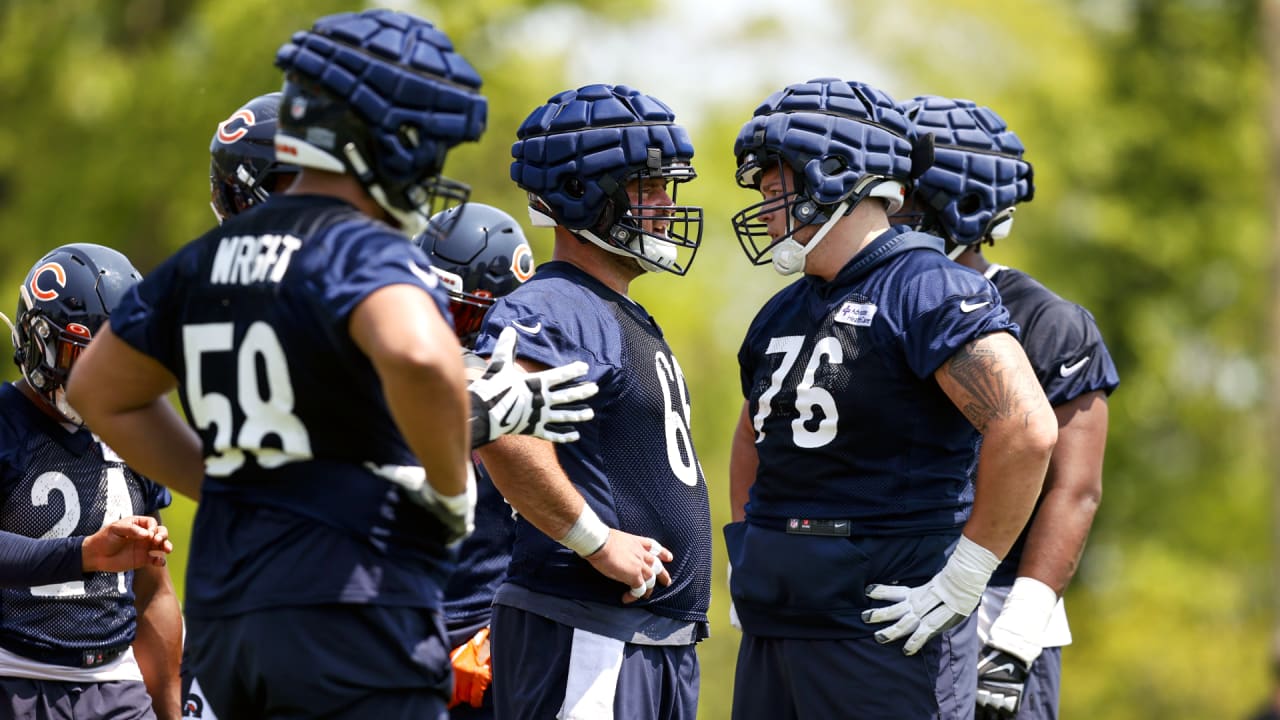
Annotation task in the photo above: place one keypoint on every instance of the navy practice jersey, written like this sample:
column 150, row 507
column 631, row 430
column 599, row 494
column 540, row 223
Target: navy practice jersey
column 482, row 558
column 297, row 504
column 850, row 424
column 634, row 463
column 1065, row 349
column 55, row 483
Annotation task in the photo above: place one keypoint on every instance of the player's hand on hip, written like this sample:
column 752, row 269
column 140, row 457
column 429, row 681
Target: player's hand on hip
column 507, row 400
column 920, row 613
column 635, row 561
column 1002, row 681
column 126, row 544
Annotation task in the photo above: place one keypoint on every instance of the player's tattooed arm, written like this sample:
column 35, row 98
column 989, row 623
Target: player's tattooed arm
column 991, row 382
column 978, row 369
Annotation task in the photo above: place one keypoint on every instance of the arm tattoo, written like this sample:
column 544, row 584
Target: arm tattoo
column 978, row 370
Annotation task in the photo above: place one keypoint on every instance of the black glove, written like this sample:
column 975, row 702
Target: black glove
column 1002, row 679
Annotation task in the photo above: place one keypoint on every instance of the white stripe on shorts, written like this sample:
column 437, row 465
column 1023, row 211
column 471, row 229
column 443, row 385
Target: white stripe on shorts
column 594, row 664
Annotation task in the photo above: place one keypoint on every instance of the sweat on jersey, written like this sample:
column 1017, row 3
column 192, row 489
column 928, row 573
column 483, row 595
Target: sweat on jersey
column 55, row 483
column 634, row 463
column 295, row 507
column 852, row 428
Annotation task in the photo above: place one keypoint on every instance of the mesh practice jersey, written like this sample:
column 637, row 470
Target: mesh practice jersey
column 635, row 463
column 55, row 483
column 850, row 423
column 298, row 503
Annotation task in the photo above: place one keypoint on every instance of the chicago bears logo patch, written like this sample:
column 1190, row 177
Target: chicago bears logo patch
column 522, row 262
column 42, row 288
column 236, row 126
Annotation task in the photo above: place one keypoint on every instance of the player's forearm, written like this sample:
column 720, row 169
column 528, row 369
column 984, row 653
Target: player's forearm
column 158, row 644
column 436, row 429
column 525, row 470
column 1072, row 493
column 1011, row 470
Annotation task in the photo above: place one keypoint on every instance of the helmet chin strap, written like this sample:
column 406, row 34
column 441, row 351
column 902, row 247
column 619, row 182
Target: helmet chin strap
column 411, row 222
column 789, row 256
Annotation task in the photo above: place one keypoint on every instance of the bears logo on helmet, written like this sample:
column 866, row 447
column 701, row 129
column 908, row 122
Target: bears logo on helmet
column 52, row 327
column 243, row 168
column 482, row 256
column 59, row 277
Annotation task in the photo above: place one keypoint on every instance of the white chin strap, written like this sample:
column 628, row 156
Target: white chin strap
column 68, row 412
column 652, row 254
column 789, row 256
column 657, row 256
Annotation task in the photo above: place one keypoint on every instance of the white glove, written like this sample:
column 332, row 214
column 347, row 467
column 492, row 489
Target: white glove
column 456, row 512
column 1019, row 629
column 938, row 605
column 506, row 400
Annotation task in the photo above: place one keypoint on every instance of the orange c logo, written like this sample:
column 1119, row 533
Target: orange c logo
column 246, row 116
column 59, row 276
column 522, row 262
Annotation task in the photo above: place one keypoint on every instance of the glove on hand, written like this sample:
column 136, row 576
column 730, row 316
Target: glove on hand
column 1002, row 678
column 938, row 605
column 506, row 400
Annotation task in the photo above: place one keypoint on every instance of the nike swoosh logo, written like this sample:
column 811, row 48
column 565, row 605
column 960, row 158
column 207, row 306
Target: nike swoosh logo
column 537, row 328
column 965, row 307
column 839, row 525
column 1066, row 370
column 427, row 277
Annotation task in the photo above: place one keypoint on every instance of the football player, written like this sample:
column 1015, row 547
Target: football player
column 484, row 257
column 968, row 197
column 607, row 591
column 869, row 384
column 89, row 622
column 243, row 172
column 310, row 346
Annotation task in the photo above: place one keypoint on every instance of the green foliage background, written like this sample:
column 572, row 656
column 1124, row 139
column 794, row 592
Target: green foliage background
column 1145, row 122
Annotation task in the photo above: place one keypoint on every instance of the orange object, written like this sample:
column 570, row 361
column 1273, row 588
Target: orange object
column 472, row 670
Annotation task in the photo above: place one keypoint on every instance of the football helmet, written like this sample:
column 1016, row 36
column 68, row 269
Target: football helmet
column 62, row 303
column 576, row 155
column 480, row 254
column 382, row 96
column 243, row 169
column 836, row 143
column 978, row 174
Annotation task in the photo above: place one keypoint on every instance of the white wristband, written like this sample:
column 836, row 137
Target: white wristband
column 1019, row 629
column 588, row 534
column 966, row 574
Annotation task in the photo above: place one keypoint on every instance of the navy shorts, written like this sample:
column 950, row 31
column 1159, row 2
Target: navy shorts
column 324, row 661
column 793, row 678
column 534, row 671
column 1040, row 698
column 57, row 700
